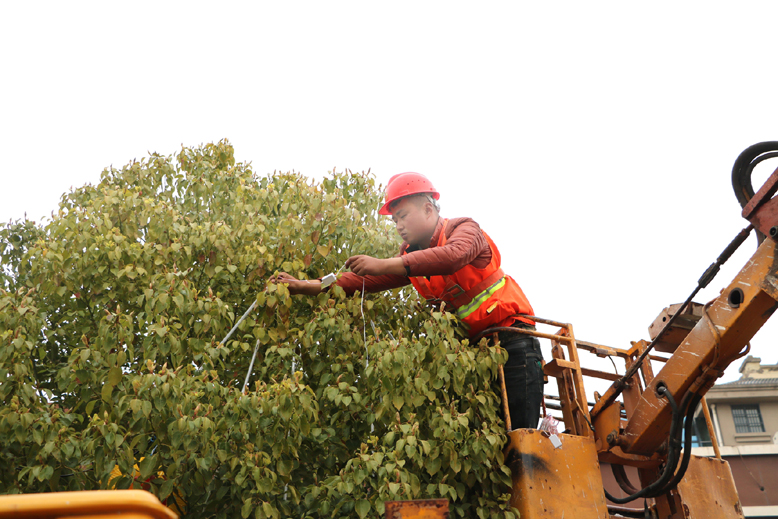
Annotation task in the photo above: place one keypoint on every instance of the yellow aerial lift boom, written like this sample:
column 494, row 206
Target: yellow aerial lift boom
column 645, row 429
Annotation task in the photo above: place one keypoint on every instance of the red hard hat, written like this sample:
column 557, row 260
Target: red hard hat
column 404, row 184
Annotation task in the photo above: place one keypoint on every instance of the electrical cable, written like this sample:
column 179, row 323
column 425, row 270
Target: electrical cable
column 761, row 487
column 615, row 369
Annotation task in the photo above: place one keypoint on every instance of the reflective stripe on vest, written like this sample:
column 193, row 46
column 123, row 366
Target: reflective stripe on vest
column 465, row 310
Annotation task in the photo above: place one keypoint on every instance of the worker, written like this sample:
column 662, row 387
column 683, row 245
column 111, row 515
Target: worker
column 451, row 261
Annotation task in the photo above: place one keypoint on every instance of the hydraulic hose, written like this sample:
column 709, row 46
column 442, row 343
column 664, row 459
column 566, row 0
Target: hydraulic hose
column 673, row 450
column 620, row 475
column 744, row 167
column 683, row 415
column 687, row 447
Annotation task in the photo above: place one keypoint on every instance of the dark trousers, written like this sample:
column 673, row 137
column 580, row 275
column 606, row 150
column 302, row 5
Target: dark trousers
column 523, row 378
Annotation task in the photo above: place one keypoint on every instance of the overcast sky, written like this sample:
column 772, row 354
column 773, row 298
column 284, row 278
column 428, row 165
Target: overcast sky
column 593, row 141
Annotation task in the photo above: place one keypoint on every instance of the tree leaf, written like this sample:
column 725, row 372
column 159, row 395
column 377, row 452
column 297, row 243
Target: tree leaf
column 246, row 509
column 285, row 467
column 147, row 465
column 114, row 376
column 433, row 466
column 105, row 393
column 362, row 508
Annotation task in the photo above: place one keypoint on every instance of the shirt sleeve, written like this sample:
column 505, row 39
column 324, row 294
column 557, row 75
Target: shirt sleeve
column 465, row 245
column 351, row 282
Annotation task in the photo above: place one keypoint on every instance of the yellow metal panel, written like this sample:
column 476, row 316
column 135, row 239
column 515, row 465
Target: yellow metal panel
column 94, row 504
column 708, row 490
column 128, row 515
column 417, row 509
column 550, row 482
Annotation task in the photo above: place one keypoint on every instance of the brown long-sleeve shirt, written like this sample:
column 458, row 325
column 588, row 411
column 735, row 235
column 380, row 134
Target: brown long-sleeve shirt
column 465, row 245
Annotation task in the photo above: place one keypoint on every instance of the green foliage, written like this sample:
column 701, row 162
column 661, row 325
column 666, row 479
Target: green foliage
column 110, row 322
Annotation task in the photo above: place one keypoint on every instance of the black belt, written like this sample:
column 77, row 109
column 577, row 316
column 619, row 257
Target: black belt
column 505, row 336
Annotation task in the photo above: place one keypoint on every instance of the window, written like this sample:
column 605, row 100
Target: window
column 747, row 418
column 700, row 436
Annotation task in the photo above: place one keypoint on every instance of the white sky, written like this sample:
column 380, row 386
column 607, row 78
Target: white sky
column 593, row 142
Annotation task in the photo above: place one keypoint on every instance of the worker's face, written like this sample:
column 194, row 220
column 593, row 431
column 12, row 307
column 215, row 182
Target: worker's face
column 415, row 220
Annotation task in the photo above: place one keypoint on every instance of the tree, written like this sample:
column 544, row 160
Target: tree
column 111, row 317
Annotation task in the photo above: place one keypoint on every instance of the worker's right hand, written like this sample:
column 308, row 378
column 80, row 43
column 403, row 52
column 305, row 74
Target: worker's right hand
column 295, row 285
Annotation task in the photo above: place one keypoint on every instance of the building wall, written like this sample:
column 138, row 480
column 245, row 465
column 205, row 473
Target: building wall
column 729, row 436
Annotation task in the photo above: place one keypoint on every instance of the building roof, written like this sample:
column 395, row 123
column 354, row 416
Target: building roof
column 751, row 382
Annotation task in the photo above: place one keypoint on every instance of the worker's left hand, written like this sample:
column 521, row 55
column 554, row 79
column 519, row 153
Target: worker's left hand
column 365, row 265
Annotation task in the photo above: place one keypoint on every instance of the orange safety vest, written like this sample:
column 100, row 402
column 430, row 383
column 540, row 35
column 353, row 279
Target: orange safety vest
column 481, row 298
